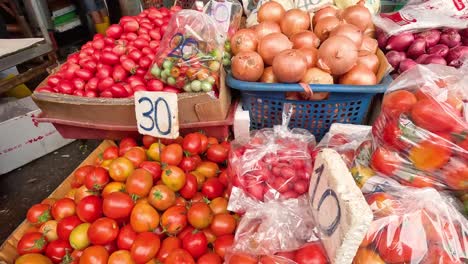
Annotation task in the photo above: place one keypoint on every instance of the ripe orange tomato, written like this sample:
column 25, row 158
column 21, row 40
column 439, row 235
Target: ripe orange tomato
column 174, row 219
column 139, row 183
column 397, row 102
column 112, row 187
column 223, row 224
column 364, row 256
column 200, row 215
column 33, row 258
column 120, row 169
column 382, row 204
column 94, row 255
column 210, row 258
column 430, row 155
column 219, row 205
column 179, row 256
column 172, row 154
column 173, row 177
column 208, row 169
column 167, row 246
column 456, row 177
column 161, row 197
column 120, row 257
column 144, row 218
column 136, row 155
column 239, row 258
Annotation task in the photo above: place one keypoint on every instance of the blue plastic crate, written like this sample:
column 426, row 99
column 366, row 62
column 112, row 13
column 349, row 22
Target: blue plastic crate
column 346, row 104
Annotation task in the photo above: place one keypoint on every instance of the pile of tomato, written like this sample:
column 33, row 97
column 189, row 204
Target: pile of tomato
column 164, row 202
column 115, row 65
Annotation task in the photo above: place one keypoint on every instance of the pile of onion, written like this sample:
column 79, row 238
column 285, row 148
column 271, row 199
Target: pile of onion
column 247, row 66
column 289, row 66
column 337, row 55
column 271, row 45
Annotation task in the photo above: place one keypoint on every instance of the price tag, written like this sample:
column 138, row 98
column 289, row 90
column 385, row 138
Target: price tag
column 157, row 114
column 221, row 12
column 340, row 211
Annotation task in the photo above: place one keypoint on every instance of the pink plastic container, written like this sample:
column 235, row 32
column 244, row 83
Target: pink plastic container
column 89, row 130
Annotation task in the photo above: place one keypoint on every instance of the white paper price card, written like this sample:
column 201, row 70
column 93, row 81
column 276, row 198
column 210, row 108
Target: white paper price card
column 157, row 114
column 339, row 209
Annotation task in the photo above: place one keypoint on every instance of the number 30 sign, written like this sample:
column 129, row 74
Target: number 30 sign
column 157, row 114
column 340, row 211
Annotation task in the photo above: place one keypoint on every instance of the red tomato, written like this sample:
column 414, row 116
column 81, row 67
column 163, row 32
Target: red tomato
column 63, row 208
column 33, row 242
column 210, row 258
column 109, row 58
column 210, row 236
column 208, row 169
column 398, row 102
column 385, row 161
column 135, row 55
column 49, row 201
column 120, row 257
column 217, row 153
column 120, row 169
column 167, row 246
column 89, row 208
column 203, row 142
column 456, row 177
column 103, row 231
column 97, row 179
column 179, row 256
column 382, row 204
column 223, row 243
column 188, row 164
column 66, row 225
column 114, row 31
column 53, row 80
column 392, row 135
column 126, row 237
column 126, row 144
column 38, row 214
column 139, row 183
column 190, row 188
column 161, row 197
column 172, row 154
column 223, row 178
column 200, row 215
column 219, row 205
column 239, row 258
column 144, row 218
column 192, row 143
column 223, row 224
column 174, row 219
column 111, row 153
column 195, row 243
column 94, row 255
column 435, row 116
column 155, row 85
column 84, row 74
column 130, row 26
column 57, row 249
column 212, row 188
column 145, row 247
column 187, row 230
column 311, row 253
column 117, row 205
column 152, row 167
column 212, row 141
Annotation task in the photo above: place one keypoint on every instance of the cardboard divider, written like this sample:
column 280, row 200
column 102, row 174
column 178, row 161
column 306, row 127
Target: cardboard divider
column 8, row 252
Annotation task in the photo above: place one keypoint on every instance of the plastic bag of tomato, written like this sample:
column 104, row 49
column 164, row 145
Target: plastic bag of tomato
column 413, row 225
column 273, row 163
column 421, row 134
column 163, row 202
column 277, row 231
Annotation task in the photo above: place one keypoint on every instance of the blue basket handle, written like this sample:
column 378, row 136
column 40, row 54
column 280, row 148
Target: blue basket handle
column 294, row 87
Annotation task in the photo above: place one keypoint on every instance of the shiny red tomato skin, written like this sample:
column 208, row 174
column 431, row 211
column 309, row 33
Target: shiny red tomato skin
column 126, row 237
column 190, row 188
column 311, row 253
column 179, row 256
column 212, row 188
column 217, row 153
column 385, row 161
column 33, row 242
column 195, row 243
column 103, row 231
column 63, row 208
column 167, row 246
column 94, row 255
column 38, row 214
column 222, row 243
column 97, row 179
column 145, row 247
column 118, row 205
column 57, row 249
column 66, row 225
column 89, row 208
column 152, row 167
column 111, row 153
column 210, row 258
column 126, row 144
column 192, row 144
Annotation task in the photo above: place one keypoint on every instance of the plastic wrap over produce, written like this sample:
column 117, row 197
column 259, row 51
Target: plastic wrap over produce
column 413, row 225
column 280, row 232
column 191, row 52
column 372, row 5
column 273, row 163
column 418, row 15
column 421, row 135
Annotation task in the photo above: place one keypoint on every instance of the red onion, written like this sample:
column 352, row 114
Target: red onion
column 465, row 42
column 464, row 33
column 434, row 59
column 417, row 48
column 400, row 42
column 421, row 58
column 456, row 56
column 382, row 40
column 431, row 37
column 395, row 57
column 451, row 38
column 439, row 49
column 407, row 64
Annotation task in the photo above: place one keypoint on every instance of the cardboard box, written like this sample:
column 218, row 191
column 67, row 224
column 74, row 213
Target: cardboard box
column 24, row 140
column 8, row 252
column 193, row 107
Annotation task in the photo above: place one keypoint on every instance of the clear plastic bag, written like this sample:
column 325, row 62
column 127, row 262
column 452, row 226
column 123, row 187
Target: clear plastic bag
column 413, row 225
column 277, row 232
column 421, row 135
column 418, row 15
column 372, row 5
column 273, row 163
column 226, row 13
column 191, row 53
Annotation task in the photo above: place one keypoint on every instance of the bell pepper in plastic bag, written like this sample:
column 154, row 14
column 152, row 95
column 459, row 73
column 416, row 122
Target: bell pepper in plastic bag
column 191, row 53
column 421, row 133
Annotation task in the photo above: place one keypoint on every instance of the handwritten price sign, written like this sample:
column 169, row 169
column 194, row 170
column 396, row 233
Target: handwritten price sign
column 339, row 208
column 157, row 114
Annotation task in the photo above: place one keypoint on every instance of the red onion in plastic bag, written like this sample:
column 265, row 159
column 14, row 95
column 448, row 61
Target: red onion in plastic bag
column 395, row 57
column 439, row 49
column 400, row 42
column 421, row 58
column 417, row 48
column 435, row 59
column 451, row 38
column 456, row 55
column 431, row 37
column 406, row 64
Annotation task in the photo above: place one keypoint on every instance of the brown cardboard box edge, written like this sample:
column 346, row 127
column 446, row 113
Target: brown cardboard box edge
column 8, row 251
column 192, row 108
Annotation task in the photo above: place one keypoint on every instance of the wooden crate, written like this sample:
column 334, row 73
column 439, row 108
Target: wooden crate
column 8, row 252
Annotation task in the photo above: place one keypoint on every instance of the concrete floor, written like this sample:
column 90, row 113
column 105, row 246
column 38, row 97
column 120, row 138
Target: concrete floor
column 30, row 184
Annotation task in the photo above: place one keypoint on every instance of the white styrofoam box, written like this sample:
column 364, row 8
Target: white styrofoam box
column 241, row 125
column 21, row 139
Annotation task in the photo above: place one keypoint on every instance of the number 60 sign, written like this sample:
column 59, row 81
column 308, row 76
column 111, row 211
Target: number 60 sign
column 340, row 211
column 157, row 114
